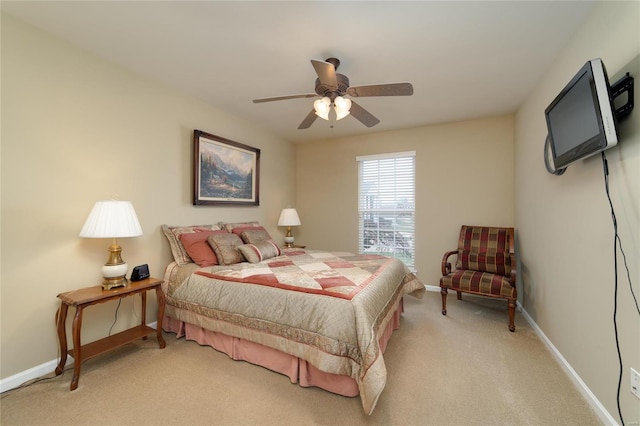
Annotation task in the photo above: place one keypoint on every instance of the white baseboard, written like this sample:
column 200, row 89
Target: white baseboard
column 41, row 370
column 575, row 378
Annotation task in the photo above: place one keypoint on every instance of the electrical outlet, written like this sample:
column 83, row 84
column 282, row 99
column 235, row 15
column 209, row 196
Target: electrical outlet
column 635, row 383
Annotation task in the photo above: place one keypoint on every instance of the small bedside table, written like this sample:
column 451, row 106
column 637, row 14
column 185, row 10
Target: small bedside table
column 88, row 296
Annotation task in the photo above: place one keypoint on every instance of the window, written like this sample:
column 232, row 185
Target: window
column 386, row 205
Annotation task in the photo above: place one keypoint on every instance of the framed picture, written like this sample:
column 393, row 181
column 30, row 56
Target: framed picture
column 224, row 171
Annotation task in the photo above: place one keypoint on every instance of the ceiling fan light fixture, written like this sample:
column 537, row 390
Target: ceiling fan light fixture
column 342, row 106
column 332, row 86
column 322, row 107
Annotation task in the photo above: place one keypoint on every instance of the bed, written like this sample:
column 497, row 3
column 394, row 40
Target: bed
column 321, row 318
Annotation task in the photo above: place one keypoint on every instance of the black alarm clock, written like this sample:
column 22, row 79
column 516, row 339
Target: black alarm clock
column 140, row 272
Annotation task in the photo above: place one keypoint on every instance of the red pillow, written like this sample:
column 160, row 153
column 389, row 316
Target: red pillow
column 198, row 249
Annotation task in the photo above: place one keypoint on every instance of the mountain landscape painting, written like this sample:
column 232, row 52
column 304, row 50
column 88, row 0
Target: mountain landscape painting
column 227, row 172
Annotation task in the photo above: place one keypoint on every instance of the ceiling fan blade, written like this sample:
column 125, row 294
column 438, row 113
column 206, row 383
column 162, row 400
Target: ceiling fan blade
column 282, row 98
column 326, row 73
column 362, row 115
column 308, row 120
column 392, row 89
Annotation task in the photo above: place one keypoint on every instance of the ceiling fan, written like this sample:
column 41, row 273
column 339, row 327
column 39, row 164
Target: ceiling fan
column 332, row 87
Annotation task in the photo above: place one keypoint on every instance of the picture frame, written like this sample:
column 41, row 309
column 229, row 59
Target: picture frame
column 225, row 172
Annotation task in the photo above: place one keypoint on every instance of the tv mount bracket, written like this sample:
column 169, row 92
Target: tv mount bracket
column 625, row 84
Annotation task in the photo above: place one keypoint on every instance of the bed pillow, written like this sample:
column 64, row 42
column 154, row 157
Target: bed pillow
column 229, row 226
column 173, row 233
column 197, row 247
column 225, row 246
column 252, row 234
column 259, row 251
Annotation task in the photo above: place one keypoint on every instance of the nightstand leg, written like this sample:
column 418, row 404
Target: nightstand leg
column 77, row 347
column 61, row 319
column 143, row 295
column 161, row 303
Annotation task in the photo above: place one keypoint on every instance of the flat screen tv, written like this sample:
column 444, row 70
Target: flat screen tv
column 581, row 119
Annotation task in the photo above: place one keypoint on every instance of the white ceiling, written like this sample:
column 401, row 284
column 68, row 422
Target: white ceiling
column 465, row 59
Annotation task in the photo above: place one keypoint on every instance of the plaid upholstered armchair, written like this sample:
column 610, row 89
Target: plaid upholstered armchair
column 485, row 266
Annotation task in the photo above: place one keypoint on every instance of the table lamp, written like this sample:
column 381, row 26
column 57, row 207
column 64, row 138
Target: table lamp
column 112, row 219
column 289, row 217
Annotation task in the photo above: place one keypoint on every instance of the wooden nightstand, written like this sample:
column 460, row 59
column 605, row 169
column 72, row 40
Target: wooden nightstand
column 88, row 296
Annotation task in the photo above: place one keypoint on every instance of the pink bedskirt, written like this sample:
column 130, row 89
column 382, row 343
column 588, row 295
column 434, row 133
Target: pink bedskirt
column 298, row 370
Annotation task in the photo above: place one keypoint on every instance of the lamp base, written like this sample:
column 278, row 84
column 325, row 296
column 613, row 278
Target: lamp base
column 288, row 240
column 110, row 283
column 115, row 270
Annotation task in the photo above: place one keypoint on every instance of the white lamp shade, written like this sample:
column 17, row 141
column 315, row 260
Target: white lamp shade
column 322, row 107
column 343, row 106
column 289, row 217
column 111, row 219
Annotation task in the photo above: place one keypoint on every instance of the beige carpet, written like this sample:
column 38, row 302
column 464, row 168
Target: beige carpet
column 462, row 369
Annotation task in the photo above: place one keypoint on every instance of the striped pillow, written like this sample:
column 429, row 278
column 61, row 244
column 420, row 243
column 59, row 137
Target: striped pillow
column 259, row 251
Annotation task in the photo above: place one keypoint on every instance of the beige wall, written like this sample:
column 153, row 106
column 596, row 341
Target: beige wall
column 565, row 231
column 76, row 129
column 464, row 175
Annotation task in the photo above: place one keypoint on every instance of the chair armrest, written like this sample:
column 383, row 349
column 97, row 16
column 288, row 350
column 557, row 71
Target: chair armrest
column 512, row 277
column 446, row 266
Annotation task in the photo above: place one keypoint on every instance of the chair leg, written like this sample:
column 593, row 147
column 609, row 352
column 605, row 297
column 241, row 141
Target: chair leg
column 443, row 292
column 512, row 314
column 459, row 295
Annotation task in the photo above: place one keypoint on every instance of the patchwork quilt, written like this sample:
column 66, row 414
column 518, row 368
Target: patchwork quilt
column 326, row 308
column 333, row 274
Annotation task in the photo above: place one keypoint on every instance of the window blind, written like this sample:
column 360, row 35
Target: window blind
column 386, row 205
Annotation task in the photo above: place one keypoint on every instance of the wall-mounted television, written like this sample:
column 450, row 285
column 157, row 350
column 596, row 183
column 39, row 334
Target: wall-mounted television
column 581, row 120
